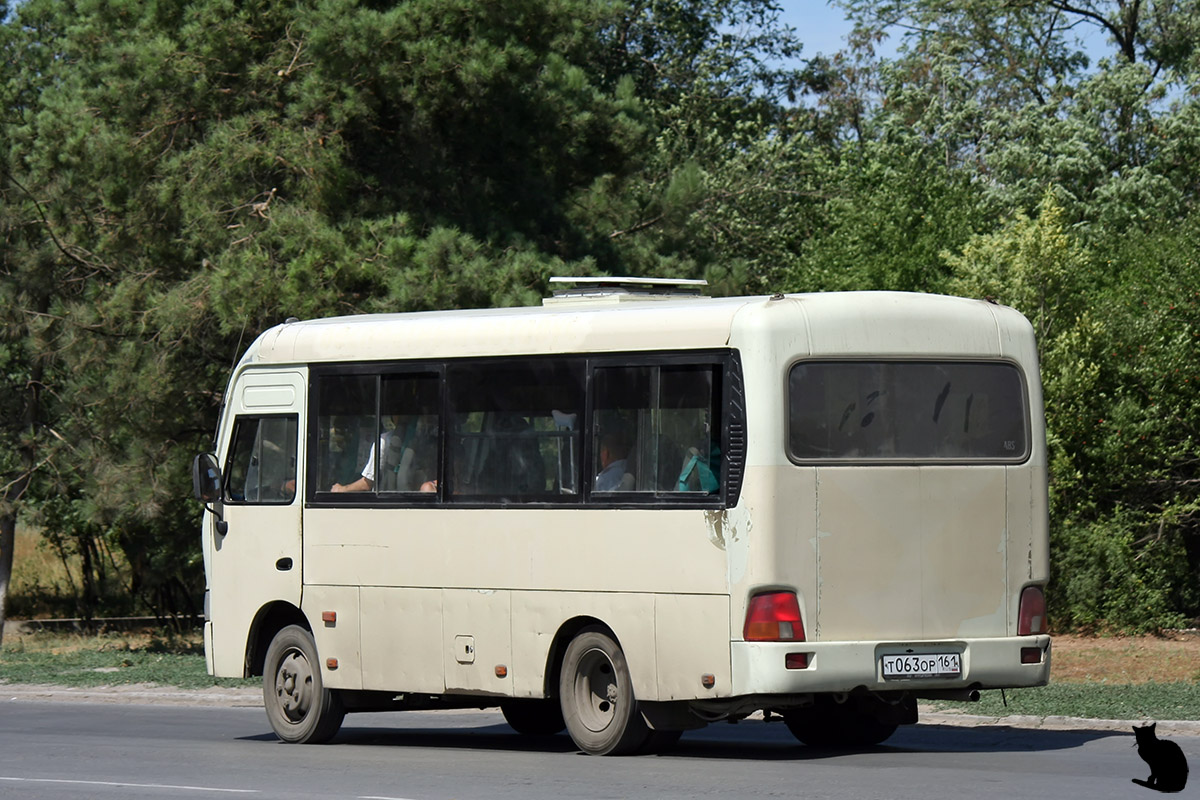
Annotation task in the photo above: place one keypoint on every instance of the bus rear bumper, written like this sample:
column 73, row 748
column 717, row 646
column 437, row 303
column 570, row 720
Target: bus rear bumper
column 764, row 668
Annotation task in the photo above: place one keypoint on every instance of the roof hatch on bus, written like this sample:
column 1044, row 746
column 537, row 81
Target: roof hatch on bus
column 605, row 290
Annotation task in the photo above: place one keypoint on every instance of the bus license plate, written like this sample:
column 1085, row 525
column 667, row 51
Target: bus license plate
column 922, row 665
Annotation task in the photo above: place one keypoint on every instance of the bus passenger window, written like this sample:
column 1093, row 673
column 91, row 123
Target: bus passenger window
column 262, row 461
column 624, row 457
column 690, row 412
column 659, row 427
column 346, row 432
column 513, row 433
column 409, row 442
column 395, row 451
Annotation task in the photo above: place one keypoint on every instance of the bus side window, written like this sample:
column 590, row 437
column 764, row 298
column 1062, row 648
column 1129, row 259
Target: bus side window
column 409, row 406
column 512, row 432
column 262, row 461
column 659, row 427
column 346, row 429
column 691, row 410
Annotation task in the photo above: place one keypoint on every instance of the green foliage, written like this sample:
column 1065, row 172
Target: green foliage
column 893, row 207
column 1035, row 266
column 1120, row 349
column 1107, row 576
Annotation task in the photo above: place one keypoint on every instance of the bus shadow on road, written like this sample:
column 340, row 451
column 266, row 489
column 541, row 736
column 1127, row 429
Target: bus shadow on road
column 746, row 741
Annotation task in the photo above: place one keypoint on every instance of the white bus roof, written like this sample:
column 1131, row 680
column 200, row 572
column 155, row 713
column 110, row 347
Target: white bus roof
column 829, row 324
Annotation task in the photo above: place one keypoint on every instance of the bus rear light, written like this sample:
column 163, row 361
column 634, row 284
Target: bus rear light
column 1031, row 655
column 796, row 661
column 1031, row 614
column 774, row 617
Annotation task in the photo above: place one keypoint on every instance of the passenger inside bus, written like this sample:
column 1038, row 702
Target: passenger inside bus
column 613, row 476
column 400, row 468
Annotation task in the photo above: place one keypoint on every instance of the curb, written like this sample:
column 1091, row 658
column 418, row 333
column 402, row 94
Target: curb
column 1027, row 722
column 145, row 694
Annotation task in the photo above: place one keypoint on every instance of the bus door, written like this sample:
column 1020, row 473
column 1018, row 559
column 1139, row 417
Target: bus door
column 256, row 561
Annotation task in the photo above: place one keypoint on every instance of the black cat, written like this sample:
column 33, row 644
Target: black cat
column 1168, row 767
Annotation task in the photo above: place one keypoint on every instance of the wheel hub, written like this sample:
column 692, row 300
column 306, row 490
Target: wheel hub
column 596, row 691
column 293, row 686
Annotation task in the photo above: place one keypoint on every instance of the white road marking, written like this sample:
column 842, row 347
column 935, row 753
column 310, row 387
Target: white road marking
column 129, row 785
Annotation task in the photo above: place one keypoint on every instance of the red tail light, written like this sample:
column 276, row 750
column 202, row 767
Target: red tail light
column 1031, row 615
column 774, row 617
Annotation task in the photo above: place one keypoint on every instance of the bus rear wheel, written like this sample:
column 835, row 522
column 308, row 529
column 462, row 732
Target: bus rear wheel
column 829, row 724
column 596, row 693
column 301, row 710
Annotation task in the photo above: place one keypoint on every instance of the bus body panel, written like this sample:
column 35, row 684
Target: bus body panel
column 401, row 633
column 629, row 615
column 692, row 642
column 904, row 553
column 626, row 550
column 563, row 557
column 336, row 639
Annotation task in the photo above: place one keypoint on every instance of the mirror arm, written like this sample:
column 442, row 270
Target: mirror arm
column 221, row 525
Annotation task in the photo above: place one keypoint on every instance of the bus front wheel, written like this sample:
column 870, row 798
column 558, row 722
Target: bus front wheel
column 301, row 710
column 596, row 693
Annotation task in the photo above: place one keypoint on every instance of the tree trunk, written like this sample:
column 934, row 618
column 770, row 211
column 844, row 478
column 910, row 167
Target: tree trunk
column 8, row 539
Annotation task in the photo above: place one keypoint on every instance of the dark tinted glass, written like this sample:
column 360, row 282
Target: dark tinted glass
column 906, row 411
column 514, row 430
column 657, row 429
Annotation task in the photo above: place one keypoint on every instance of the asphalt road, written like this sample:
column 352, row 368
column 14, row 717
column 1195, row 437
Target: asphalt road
column 84, row 750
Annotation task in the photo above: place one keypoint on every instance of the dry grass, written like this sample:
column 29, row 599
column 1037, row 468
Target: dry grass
column 1126, row 659
column 35, row 563
column 59, row 643
column 43, row 586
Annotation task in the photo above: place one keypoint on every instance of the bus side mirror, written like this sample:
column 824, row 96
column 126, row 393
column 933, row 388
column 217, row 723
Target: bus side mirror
column 206, row 486
column 206, row 478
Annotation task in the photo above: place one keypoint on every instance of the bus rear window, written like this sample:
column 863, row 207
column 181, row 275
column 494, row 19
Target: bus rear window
column 903, row 411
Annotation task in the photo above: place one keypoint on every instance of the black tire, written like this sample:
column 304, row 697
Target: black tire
column 301, row 710
column 596, row 693
column 829, row 724
column 660, row 741
column 533, row 717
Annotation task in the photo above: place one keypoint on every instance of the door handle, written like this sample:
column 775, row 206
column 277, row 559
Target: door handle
column 283, row 564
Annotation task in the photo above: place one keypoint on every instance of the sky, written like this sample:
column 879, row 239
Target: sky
column 823, row 29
